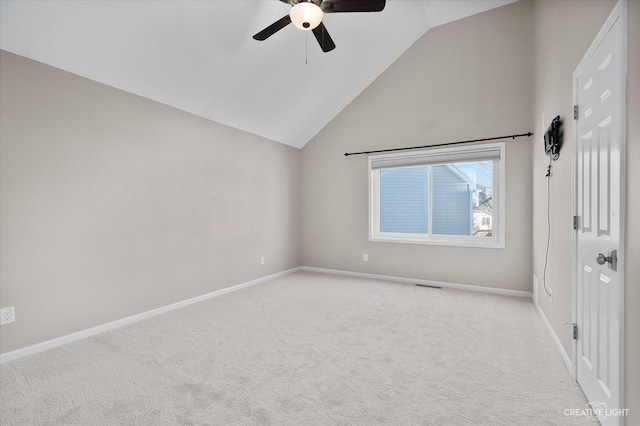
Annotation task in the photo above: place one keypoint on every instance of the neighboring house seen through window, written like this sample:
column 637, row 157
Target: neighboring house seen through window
column 439, row 196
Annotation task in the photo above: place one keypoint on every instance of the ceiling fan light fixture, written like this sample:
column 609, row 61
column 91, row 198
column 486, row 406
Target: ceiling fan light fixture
column 306, row 16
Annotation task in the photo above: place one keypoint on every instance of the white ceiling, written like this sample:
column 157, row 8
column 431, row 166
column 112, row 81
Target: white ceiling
column 199, row 56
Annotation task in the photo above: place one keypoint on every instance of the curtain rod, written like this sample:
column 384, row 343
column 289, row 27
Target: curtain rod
column 346, row 154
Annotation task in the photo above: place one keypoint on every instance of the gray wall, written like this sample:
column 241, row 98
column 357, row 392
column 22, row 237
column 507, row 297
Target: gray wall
column 464, row 80
column 563, row 32
column 632, row 246
column 112, row 204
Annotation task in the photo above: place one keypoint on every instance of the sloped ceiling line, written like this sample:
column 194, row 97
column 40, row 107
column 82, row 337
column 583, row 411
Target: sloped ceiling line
column 199, row 56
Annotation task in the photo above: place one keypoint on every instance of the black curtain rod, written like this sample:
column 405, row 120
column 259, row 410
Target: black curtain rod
column 346, row 154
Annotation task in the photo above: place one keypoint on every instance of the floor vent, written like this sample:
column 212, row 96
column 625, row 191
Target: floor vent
column 427, row 285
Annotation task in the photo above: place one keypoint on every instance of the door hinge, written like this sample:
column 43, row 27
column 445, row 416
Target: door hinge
column 575, row 112
column 575, row 331
column 575, row 222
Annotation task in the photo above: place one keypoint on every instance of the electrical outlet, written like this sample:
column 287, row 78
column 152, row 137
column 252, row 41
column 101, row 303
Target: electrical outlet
column 262, row 260
column 365, row 257
column 7, row 315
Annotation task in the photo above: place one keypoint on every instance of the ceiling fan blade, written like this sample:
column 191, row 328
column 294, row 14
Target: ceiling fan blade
column 273, row 28
column 336, row 6
column 291, row 2
column 323, row 37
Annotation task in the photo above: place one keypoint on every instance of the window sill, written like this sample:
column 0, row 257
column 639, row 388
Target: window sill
column 491, row 243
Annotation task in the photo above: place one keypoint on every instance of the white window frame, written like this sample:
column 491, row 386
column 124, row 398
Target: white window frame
column 452, row 155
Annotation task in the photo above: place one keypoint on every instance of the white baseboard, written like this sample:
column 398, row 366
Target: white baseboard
column 563, row 354
column 59, row 341
column 478, row 288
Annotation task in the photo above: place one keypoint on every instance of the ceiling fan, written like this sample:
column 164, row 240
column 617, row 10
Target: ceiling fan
column 307, row 15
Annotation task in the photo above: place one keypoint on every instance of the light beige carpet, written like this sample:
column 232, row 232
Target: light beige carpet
column 306, row 349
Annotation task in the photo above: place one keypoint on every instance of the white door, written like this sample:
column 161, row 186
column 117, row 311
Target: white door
column 599, row 164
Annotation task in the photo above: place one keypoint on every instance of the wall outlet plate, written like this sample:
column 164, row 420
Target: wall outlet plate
column 7, row 315
column 365, row 257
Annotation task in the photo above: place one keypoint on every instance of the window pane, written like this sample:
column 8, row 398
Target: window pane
column 404, row 200
column 462, row 199
column 442, row 196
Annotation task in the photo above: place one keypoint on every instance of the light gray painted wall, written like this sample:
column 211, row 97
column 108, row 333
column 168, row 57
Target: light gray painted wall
column 465, row 80
column 112, row 204
column 632, row 246
column 564, row 30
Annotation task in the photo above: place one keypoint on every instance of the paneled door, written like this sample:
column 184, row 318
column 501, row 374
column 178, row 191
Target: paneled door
column 599, row 169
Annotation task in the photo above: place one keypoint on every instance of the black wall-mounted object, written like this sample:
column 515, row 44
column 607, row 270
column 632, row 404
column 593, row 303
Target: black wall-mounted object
column 553, row 138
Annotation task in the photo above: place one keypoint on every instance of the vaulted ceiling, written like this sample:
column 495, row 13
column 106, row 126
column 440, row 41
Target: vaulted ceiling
column 199, row 56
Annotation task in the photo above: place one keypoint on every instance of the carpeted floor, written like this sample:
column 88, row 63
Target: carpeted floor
column 306, row 349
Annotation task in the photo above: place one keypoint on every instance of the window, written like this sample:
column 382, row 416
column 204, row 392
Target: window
column 450, row 196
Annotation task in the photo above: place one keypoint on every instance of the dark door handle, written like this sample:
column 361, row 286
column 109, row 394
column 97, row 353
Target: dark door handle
column 612, row 259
